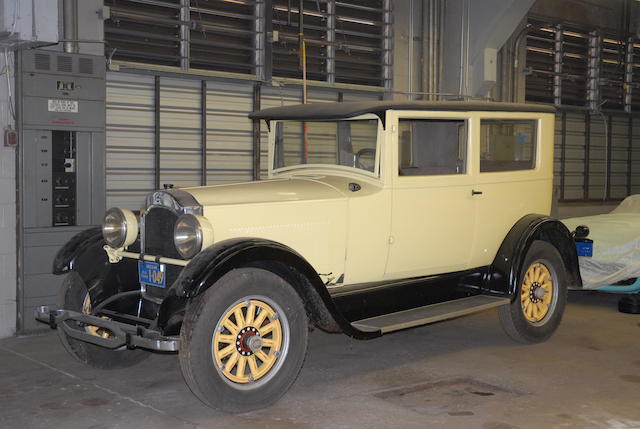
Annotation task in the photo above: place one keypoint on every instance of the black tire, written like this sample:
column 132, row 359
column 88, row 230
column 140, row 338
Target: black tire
column 512, row 317
column 202, row 329
column 72, row 297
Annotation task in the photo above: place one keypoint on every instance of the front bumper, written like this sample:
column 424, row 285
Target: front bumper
column 123, row 334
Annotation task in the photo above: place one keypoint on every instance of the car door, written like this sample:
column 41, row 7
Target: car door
column 433, row 206
column 515, row 175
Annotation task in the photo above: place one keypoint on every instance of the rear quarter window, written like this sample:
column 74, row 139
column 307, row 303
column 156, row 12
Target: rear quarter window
column 507, row 145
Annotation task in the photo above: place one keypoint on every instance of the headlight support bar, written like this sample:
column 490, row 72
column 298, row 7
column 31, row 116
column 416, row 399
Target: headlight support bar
column 116, row 255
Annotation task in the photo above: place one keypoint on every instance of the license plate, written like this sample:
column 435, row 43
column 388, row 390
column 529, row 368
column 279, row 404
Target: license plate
column 152, row 274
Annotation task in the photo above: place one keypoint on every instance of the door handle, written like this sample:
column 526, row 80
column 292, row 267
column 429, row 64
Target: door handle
column 474, row 192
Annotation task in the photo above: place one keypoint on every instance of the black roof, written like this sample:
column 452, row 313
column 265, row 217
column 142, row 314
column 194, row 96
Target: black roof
column 355, row 108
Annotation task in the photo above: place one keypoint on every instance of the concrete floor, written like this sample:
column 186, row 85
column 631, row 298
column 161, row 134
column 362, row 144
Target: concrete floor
column 462, row 373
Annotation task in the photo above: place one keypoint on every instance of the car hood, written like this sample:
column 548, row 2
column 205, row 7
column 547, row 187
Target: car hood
column 271, row 191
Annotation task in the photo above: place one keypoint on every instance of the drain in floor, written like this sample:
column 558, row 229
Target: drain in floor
column 456, row 396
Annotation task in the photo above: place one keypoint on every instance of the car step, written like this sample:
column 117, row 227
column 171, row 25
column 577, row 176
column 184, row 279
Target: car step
column 428, row 314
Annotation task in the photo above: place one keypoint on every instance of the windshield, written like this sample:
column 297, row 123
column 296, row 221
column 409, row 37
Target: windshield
column 350, row 143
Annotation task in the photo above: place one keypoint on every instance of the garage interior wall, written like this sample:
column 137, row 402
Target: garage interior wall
column 170, row 121
column 7, row 209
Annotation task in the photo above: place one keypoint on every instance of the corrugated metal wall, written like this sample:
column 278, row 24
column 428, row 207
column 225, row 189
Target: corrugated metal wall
column 595, row 155
column 131, row 131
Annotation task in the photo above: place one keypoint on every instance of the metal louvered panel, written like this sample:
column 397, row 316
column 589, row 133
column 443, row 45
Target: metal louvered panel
column 540, row 57
column 346, row 40
column 575, row 60
column 612, row 68
column 285, row 20
column 142, row 31
column 222, row 35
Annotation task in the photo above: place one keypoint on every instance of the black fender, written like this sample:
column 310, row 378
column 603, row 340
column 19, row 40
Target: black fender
column 211, row 264
column 78, row 244
column 504, row 274
column 84, row 254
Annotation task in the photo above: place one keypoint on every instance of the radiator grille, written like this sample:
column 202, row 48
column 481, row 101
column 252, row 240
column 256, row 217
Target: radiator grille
column 158, row 233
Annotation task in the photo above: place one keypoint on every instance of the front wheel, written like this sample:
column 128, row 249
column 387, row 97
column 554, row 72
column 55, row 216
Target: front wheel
column 541, row 296
column 243, row 341
column 74, row 296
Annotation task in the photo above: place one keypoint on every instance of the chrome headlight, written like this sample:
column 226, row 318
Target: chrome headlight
column 191, row 234
column 120, row 227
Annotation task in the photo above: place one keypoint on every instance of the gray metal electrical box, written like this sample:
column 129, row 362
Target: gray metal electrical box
column 62, row 165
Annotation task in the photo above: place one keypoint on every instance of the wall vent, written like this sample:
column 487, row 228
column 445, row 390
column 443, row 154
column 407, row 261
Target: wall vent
column 42, row 62
column 65, row 64
column 86, row 66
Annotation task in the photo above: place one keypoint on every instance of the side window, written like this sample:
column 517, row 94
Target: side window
column 432, row 147
column 507, row 145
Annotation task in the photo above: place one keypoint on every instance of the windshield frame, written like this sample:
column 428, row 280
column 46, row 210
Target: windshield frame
column 376, row 173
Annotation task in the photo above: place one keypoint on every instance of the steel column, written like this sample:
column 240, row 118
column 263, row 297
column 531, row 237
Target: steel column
column 387, row 44
column 628, row 76
column 331, row 38
column 609, row 125
column 257, row 95
column 563, row 154
column 587, row 157
column 557, row 65
column 185, row 34
column 260, row 39
column 629, row 154
column 156, row 136
column 593, row 71
column 203, row 132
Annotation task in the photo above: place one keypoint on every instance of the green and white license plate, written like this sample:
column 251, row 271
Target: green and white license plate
column 152, row 274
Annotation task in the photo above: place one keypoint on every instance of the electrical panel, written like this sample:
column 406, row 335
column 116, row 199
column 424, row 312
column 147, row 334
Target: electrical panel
column 28, row 22
column 62, row 164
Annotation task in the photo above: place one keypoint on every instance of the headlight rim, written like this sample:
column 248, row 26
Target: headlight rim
column 128, row 224
column 202, row 233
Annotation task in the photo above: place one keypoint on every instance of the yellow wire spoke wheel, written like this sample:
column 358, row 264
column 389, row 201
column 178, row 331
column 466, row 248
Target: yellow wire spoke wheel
column 536, row 294
column 249, row 342
column 94, row 330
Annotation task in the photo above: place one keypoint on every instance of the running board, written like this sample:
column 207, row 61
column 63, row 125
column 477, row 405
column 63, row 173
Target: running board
column 428, row 314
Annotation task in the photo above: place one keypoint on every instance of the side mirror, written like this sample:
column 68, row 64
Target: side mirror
column 581, row 231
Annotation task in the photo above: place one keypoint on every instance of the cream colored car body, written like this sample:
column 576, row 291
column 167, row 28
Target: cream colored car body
column 394, row 226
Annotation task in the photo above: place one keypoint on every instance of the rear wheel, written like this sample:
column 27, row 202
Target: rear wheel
column 243, row 341
column 74, row 296
column 541, row 296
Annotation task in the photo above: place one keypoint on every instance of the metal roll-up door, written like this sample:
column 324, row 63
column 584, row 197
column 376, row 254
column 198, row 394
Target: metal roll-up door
column 574, row 156
column 596, row 161
column 229, row 131
column 130, row 139
column 180, row 132
column 619, row 166
column 635, row 157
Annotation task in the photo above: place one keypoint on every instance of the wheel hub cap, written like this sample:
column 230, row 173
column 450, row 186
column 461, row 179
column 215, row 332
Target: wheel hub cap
column 248, row 341
column 536, row 292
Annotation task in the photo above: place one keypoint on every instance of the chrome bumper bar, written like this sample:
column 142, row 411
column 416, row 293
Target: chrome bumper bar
column 123, row 334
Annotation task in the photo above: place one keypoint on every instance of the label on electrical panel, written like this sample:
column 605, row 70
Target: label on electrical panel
column 63, row 106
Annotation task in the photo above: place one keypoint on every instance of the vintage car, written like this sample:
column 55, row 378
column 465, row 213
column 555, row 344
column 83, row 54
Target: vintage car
column 375, row 217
